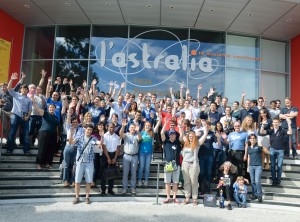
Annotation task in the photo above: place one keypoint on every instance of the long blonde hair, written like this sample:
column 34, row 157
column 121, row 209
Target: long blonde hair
column 195, row 142
column 245, row 127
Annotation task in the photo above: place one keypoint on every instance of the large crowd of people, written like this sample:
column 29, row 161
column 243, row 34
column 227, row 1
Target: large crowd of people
column 204, row 140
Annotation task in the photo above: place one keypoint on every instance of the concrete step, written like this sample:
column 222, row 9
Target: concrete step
column 289, row 174
column 23, row 164
column 281, row 189
column 284, row 181
column 281, row 197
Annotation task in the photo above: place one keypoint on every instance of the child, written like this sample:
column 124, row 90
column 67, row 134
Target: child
column 240, row 192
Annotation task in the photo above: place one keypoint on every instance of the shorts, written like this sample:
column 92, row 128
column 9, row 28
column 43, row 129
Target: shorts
column 84, row 168
column 172, row 176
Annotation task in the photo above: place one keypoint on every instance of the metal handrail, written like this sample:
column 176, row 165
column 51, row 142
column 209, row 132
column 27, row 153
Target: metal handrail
column 1, row 136
column 157, row 182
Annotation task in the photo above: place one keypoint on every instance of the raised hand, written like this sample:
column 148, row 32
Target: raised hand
column 187, row 91
column 243, row 94
column 50, row 79
column 111, row 83
column 23, row 75
column 123, row 84
column 124, row 122
column 137, row 128
column 84, row 84
column 200, row 86
column 14, row 76
column 65, row 81
column 94, row 82
column 102, row 118
column 171, row 89
column 43, row 73
column 181, row 85
column 148, row 94
column 71, row 82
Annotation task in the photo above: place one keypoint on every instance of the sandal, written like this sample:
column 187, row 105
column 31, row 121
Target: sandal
column 76, row 200
column 166, row 201
column 87, row 200
column 93, row 184
column 195, row 202
column 176, row 201
column 186, row 201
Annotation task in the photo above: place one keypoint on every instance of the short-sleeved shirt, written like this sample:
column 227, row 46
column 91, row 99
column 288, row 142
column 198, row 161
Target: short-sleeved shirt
column 40, row 102
column 86, row 147
column 115, row 108
column 131, row 144
column 111, row 141
column 207, row 149
column 285, row 110
column 49, row 122
column 237, row 140
column 267, row 126
column 172, row 150
column 21, row 104
column 58, row 105
column 96, row 113
column 249, row 112
column 8, row 101
column 255, row 156
column 146, row 143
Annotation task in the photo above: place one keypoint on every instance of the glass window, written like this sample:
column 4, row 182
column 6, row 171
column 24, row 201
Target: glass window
column 39, row 43
column 72, row 42
column 33, row 69
column 207, row 36
column 274, row 56
column 273, row 86
column 73, row 70
column 238, row 81
column 243, row 52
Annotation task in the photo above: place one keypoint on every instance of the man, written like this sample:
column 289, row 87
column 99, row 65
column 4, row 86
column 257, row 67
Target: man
column 277, row 136
column 289, row 112
column 130, row 157
column 22, row 107
column 35, row 121
column 248, row 111
column 212, row 115
column 54, row 100
column 118, row 108
column 237, row 142
column 137, row 121
column 187, row 110
column 223, row 106
column 227, row 121
column 6, row 104
column 84, row 160
column 97, row 109
column 149, row 113
column 273, row 110
column 111, row 147
column 172, row 149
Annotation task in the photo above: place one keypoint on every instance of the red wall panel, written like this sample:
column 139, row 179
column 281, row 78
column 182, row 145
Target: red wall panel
column 13, row 31
column 295, row 73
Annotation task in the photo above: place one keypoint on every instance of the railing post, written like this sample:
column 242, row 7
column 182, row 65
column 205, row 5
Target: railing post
column 157, row 184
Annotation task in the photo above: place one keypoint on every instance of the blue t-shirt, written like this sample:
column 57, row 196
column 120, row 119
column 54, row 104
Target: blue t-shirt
column 96, row 113
column 237, row 140
column 146, row 143
column 58, row 105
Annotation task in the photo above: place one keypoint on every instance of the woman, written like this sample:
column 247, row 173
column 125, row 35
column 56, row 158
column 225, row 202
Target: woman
column 226, row 178
column 255, row 167
column 69, row 152
column 263, row 140
column 114, row 120
column 248, row 126
column 219, row 154
column 131, row 111
column 87, row 119
column 98, row 134
column 145, row 151
column 190, row 165
column 47, row 136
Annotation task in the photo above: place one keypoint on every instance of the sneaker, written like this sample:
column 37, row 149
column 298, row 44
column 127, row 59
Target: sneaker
column 76, row 200
column 239, row 205
column 253, row 197
column 145, row 183
column 260, row 199
column 229, row 207
column 133, row 191
column 244, row 205
column 124, row 191
column 140, row 183
column 274, row 183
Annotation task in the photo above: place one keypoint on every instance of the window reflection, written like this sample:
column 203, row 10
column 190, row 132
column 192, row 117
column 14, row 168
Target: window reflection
column 72, row 42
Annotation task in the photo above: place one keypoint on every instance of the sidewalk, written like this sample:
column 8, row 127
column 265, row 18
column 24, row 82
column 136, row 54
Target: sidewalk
column 136, row 209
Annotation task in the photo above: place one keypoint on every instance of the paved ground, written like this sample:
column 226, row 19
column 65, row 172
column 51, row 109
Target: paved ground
column 136, row 209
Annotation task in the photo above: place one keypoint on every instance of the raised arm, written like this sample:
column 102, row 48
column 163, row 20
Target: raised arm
column 124, row 124
column 203, row 137
column 163, row 130
column 40, row 111
column 42, row 80
column 181, row 91
column 199, row 91
column 13, row 77
column 172, row 94
column 48, row 87
column 123, row 84
column 242, row 100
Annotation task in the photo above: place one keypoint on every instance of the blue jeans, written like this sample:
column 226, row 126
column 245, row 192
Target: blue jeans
column 276, row 155
column 144, row 161
column 205, row 163
column 240, row 198
column 15, row 122
column 293, row 141
column 69, row 159
column 255, row 175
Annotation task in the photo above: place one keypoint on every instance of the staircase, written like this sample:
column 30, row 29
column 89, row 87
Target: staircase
column 19, row 179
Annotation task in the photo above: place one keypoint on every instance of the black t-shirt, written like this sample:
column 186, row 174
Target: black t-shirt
column 277, row 139
column 172, row 150
column 285, row 110
column 266, row 127
column 206, row 149
column 249, row 112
